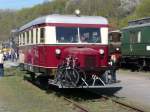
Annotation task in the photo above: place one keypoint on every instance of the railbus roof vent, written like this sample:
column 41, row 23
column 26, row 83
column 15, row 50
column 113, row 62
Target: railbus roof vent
column 139, row 21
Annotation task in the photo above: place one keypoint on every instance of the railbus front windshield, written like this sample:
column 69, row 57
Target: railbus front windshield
column 77, row 35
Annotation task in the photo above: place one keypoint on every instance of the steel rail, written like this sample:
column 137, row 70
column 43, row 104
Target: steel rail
column 123, row 104
column 77, row 105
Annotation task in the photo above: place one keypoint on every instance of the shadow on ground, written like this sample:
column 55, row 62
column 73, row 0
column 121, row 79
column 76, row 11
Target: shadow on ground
column 83, row 94
column 76, row 93
column 135, row 68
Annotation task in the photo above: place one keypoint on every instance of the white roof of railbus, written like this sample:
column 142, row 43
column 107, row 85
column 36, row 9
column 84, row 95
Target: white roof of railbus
column 68, row 19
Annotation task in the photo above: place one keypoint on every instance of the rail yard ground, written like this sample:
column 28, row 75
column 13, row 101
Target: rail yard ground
column 135, row 87
column 18, row 95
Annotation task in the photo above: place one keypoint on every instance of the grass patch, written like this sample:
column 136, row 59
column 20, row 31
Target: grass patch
column 18, row 95
column 105, row 106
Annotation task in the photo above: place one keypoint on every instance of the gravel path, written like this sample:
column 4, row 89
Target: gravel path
column 136, row 87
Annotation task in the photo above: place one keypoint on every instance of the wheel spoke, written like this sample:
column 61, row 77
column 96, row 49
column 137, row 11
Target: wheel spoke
column 68, row 76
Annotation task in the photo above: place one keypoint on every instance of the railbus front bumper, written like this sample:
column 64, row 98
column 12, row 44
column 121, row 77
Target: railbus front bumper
column 108, row 89
column 106, row 86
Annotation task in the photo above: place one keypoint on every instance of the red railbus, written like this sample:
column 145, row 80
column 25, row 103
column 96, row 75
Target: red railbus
column 70, row 51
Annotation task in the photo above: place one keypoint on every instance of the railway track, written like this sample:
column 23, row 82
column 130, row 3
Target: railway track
column 124, row 104
column 77, row 105
column 82, row 108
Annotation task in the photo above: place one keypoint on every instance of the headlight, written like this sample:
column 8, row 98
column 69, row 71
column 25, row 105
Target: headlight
column 77, row 12
column 117, row 49
column 58, row 51
column 101, row 51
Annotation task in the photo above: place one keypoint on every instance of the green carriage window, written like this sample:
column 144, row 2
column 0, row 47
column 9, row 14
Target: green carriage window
column 135, row 36
column 139, row 37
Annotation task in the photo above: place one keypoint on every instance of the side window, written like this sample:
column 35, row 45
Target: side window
column 139, row 37
column 20, row 39
column 27, row 37
column 135, row 36
column 23, row 38
column 116, row 37
column 32, row 36
column 110, row 38
column 36, row 35
column 42, row 35
column 25, row 33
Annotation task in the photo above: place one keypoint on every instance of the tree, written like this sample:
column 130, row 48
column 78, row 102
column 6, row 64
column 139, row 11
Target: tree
column 143, row 10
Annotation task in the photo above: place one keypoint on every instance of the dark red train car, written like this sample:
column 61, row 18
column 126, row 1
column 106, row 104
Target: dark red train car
column 71, row 51
column 115, row 45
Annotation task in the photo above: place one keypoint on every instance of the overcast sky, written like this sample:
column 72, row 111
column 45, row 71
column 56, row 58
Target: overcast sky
column 18, row 4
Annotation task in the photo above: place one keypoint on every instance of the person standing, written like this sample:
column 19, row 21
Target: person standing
column 113, row 61
column 1, row 64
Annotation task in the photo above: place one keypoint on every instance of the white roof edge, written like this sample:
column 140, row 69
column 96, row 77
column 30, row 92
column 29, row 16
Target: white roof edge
column 70, row 19
column 134, row 26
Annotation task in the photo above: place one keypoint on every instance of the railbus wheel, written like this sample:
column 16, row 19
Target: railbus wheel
column 82, row 78
column 72, row 77
column 67, row 77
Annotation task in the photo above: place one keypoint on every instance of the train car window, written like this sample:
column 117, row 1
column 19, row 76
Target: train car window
column 110, row 38
column 139, row 37
column 135, row 37
column 23, row 38
column 131, row 35
column 27, row 37
column 36, row 35
column 90, row 35
column 20, row 39
column 32, row 36
column 66, row 35
column 115, row 37
column 42, row 35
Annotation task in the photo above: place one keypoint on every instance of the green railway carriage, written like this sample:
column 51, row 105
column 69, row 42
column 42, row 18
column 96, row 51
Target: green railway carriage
column 135, row 40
